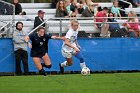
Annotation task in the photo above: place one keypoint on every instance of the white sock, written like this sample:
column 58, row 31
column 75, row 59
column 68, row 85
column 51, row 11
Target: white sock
column 82, row 65
column 64, row 64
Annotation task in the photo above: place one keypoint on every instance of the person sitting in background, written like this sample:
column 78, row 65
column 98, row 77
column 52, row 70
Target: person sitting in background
column 115, row 9
column 39, row 19
column 73, row 6
column 132, row 26
column 2, row 8
column 80, row 7
column 99, row 18
column 123, row 5
column 68, row 5
column 18, row 8
column 111, row 19
column 53, row 3
column 61, row 9
column 89, row 11
column 113, row 28
column 136, row 3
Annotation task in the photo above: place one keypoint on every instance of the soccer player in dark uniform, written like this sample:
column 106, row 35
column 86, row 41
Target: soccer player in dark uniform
column 39, row 48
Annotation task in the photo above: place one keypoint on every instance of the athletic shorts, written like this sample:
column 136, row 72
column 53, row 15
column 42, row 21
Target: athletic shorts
column 37, row 54
column 67, row 54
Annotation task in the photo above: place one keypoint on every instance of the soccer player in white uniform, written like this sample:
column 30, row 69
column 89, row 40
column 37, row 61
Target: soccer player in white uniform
column 71, row 47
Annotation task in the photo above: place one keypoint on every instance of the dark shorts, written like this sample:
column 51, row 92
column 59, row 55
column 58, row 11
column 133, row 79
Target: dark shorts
column 37, row 54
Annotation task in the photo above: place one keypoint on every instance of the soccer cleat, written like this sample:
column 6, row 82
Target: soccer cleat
column 61, row 69
column 42, row 72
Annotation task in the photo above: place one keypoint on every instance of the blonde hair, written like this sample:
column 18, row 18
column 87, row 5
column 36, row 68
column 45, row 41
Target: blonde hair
column 133, row 14
column 74, row 21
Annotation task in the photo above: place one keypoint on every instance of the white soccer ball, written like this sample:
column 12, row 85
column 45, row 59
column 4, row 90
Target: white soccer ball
column 85, row 71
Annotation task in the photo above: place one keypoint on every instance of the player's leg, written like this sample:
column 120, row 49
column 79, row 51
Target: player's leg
column 38, row 65
column 68, row 62
column 79, row 56
column 47, row 62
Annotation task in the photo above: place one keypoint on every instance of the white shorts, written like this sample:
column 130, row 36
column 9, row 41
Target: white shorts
column 67, row 54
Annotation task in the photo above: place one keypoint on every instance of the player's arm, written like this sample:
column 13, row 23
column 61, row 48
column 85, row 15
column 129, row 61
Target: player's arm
column 67, row 42
column 77, row 44
column 26, row 38
column 57, row 37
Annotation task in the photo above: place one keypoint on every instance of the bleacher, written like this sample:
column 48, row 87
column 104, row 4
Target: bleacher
column 31, row 10
column 35, row 5
column 136, row 10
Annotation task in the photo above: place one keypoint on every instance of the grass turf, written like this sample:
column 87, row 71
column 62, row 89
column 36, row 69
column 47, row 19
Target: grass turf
column 72, row 83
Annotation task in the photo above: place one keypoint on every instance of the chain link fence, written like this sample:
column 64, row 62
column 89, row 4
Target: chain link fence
column 7, row 13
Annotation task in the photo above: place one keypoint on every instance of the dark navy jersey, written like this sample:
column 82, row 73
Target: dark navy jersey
column 39, row 44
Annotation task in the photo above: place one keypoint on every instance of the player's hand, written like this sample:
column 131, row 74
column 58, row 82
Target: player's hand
column 26, row 38
column 63, row 38
column 79, row 46
column 76, row 49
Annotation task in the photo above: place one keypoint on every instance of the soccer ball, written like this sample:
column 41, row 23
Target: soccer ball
column 85, row 71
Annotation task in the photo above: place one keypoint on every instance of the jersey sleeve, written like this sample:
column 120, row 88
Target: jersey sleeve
column 68, row 34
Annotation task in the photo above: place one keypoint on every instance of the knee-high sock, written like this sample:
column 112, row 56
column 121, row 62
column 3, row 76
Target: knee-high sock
column 81, row 59
column 64, row 64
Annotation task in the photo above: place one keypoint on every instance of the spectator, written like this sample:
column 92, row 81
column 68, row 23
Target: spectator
column 5, row 9
column 73, row 6
column 80, row 7
column 89, row 11
column 20, row 48
column 2, row 8
column 54, row 2
column 68, row 5
column 83, row 2
column 18, row 8
column 133, row 29
column 61, row 9
column 115, row 9
column 136, row 3
column 39, row 19
column 123, row 5
column 114, row 28
column 102, row 26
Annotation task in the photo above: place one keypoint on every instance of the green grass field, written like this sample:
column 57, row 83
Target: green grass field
column 72, row 83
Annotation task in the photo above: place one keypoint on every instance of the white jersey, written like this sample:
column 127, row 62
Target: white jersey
column 72, row 35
